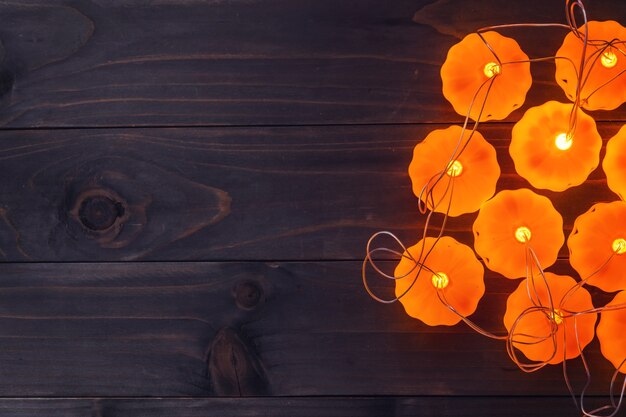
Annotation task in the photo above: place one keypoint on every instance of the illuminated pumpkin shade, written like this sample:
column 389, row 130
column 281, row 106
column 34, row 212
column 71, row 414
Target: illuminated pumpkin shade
column 599, row 235
column 546, row 155
column 475, row 171
column 471, row 67
column 614, row 163
column 533, row 330
column 604, row 62
column 611, row 332
column 458, row 275
column 510, row 221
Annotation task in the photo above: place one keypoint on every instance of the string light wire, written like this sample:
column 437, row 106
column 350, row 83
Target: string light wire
column 553, row 311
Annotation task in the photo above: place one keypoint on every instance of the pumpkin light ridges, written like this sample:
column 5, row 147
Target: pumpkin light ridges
column 590, row 245
column 595, row 95
column 464, row 80
column 614, row 163
column 611, row 334
column 464, row 291
column 539, row 160
column 496, row 223
column 538, row 323
column 475, row 184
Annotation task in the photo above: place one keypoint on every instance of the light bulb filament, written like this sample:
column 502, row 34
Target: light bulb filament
column 522, row 234
column 492, row 69
column 608, row 59
column 619, row 246
column 563, row 141
column 557, row 316
column 455, row 168
column 440, row 280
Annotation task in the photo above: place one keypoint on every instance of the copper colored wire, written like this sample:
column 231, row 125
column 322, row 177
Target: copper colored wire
column 534, row 272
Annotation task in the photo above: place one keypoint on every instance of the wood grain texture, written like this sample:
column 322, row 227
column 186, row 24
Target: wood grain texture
column 131, row 63
column 246, row 150
column 306, row 193
column 180, row 329
column 294, row 407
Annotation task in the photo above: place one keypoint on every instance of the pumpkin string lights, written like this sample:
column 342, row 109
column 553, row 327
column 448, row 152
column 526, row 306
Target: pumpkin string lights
column 549, row 318
column 563, row 161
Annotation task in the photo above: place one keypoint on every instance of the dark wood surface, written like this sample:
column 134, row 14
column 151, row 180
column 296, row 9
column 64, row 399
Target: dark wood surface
column 289, row 193
column 249, row 329
column 129, row 62
column 186, row 189
column 288, row 407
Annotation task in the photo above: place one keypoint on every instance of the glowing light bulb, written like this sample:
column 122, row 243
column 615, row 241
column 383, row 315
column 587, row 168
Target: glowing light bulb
column 440, row 280
column 563, row 141
column 522, row 234
column 455, row 168
column 619, row 246
column 608, row 59
column 492, row 69
column 557, row 316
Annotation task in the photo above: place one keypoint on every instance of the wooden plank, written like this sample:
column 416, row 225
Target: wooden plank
column 295, row 407
column 123, row 62
column 226, row 194
column 246, row 329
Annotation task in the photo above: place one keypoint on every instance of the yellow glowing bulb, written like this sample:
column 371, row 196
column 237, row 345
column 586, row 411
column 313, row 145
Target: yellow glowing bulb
column 522, row 234
column 455, row 168
column 491, row 69
column 440, row 280
column 563, row 141
column 557, row 316
column 608, row 59
column 619, row 246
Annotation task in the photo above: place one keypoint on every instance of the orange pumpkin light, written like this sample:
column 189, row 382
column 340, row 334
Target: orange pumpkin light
column 603, row 63
column 533, row 333
column 471, row 67
column 452, row 268
column 510, row 221
column 597, row 246
column 611, row 332
column 518, row 233
column 544, row 152
column 614, row 163
column 475, row 171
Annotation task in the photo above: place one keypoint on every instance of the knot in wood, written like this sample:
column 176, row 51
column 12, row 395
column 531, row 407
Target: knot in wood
column 248, row 294
column 100, row 212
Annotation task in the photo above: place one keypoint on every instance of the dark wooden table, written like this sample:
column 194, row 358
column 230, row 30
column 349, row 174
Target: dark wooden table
column 187, row 188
